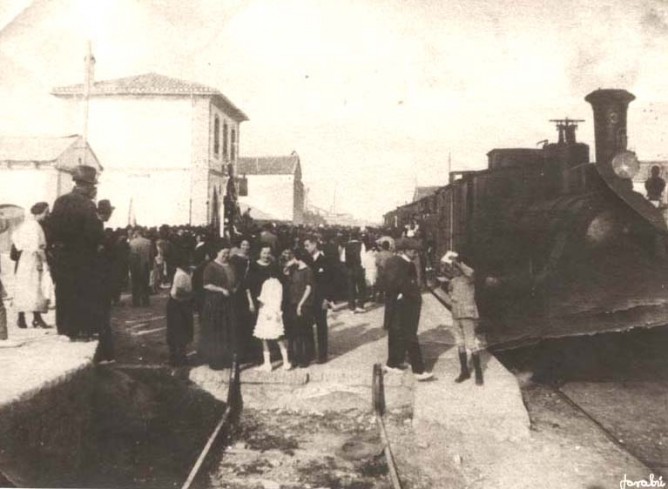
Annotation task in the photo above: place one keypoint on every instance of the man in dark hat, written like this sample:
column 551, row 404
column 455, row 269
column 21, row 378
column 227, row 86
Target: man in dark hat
column 76, row 233
column 403, row 303
column 102, row 275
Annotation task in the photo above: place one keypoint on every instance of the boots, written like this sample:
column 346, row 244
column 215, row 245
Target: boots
column 38, row 322
column 477, row 368
column 464, row 368
column 21, row 321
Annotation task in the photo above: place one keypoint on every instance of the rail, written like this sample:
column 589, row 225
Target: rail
column 378, row 401
column 229, row 418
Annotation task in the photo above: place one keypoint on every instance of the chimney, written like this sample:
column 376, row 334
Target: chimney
column 610, row 107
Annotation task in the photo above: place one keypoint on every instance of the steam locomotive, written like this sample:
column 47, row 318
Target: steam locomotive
column 561, row 245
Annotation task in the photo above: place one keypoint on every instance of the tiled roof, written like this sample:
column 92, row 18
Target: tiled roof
column 34, row 148
column 268, row 165
column 422, row 192
column 149, row 84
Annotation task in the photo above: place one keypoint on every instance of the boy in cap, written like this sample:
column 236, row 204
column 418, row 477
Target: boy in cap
column 461, row 290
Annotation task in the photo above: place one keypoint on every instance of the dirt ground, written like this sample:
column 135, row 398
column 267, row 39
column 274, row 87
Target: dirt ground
column 291, row 450
column 283, row 449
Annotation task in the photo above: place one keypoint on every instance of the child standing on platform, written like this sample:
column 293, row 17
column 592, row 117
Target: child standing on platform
column 180, row 314
column 269, row 325
column 461, row 290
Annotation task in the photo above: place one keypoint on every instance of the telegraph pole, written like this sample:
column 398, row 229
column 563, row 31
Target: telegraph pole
column 89, row 70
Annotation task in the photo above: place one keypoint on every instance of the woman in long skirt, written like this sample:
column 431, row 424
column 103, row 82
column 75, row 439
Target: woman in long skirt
column 33, row 283
column 218, row 342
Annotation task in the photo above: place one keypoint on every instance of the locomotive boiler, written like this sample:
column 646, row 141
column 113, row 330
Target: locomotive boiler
column 561, row 245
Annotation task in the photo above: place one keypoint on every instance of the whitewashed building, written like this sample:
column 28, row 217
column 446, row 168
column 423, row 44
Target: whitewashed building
column 166, row 144
column 39, row 168
column 274, row 186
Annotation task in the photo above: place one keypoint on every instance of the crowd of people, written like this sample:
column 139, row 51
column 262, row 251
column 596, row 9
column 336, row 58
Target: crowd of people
column 264, row 285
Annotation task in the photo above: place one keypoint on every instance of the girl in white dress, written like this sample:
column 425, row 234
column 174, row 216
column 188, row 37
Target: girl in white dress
column 269, row 325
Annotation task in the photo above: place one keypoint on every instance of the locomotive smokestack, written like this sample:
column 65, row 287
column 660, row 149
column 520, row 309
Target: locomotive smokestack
column 610, row 107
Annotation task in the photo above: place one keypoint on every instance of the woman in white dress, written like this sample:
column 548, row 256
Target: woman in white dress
column 269, row 325
column 32, row 285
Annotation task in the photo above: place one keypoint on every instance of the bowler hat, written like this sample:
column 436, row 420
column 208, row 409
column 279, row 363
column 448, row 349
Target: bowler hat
column 105, row 207
column 85, row 174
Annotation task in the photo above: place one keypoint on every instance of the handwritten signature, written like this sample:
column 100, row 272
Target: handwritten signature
column 651, row 482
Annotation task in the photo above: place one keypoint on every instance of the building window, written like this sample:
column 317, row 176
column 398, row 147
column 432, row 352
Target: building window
column 234, row 145
column 225, row 139
column 216, row 136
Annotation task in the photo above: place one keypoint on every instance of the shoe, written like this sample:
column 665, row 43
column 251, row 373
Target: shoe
column 392, row 370
column 265, row 367
column 287, row 366
column 477, row 368
column 106, row 362
column 39, row 323
column 359, row 310
column 9, row 343
column 424, row 376
column 464, row 372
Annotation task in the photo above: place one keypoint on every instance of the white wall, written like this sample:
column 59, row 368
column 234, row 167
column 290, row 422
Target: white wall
column 158, row 197
column 157, row 151
column 140, row 132
column 273, row 194
column 27, row 186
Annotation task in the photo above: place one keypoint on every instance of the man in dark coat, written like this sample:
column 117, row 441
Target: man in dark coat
column 141, row 261
column 103, row 273
column 352, row 258
column 322, row 295
column 403, row 303
column 76, row 233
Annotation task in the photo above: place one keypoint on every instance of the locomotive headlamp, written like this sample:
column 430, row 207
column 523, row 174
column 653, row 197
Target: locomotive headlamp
column 625, row 164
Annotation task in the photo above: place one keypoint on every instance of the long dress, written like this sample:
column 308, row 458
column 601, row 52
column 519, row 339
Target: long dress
column 218, row 341
column 33, row 287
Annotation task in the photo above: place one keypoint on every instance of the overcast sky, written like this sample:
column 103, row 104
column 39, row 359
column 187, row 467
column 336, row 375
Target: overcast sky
column 372, row 94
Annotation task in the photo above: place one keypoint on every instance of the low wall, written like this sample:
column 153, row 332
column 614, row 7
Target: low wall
column 42, row 435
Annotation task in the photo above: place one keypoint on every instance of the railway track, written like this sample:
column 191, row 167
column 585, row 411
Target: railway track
column 653, row 465
column 221, row 431
column 232, row 413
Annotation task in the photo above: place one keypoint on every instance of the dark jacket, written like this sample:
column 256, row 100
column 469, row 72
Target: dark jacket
column 353, row 249
column 74, row 224
column 401, row 289
column 323, row 278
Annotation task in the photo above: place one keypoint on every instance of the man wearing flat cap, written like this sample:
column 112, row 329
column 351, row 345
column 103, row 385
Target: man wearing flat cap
column 403, row 303
column 76, row 233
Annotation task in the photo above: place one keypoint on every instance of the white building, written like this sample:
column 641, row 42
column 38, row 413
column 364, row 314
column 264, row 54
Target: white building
column 274, row 187
column 39, row 168
column 166, row 144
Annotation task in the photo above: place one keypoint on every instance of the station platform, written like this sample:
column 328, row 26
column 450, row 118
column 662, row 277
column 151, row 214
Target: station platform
column 357, row 341
column 38, row 359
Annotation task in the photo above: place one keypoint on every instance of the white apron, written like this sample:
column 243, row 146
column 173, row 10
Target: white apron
column 32, row 286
